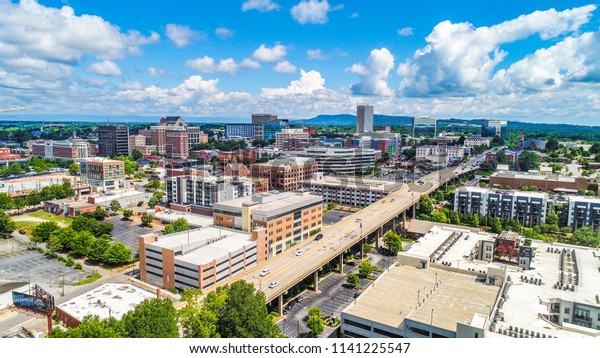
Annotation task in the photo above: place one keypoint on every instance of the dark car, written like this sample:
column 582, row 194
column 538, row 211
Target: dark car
column 22, row 232
column 319, row 237
column 352, row 263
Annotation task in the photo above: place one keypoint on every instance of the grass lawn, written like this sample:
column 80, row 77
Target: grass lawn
column 51, row 217
column 95, row 276
column 28, row 226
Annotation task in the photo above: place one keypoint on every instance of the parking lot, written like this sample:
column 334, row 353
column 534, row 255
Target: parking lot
column 128, row 232
column 334, row 216
column 35, row 267
column 334, row 296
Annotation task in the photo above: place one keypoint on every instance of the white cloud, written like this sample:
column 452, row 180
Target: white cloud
column 207, row 64
column 224, row 32
column 260, row 5
column 153, row 71
column 104, row 68
column 284, row 67
column 308, row 83
column 250, row 64
column 315, row 54
column 311, row 12
column 135, row 85
column 373, row 76
column 460, row 59
column 354, row 15
column 273, row 54
column 405, row 31
column 181, row 35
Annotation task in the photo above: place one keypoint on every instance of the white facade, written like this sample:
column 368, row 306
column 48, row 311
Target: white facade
column 439, row 153
column 342, row 160
column 478, row 141
column 281, row 138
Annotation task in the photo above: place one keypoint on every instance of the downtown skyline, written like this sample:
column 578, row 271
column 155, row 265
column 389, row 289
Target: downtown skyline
column 535, row 62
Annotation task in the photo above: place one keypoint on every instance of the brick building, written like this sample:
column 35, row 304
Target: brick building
column 286, row 173
column 516, row 180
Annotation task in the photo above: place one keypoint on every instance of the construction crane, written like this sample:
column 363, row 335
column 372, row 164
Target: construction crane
column 12, row 109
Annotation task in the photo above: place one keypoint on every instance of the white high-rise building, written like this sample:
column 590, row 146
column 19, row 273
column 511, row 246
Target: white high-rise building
column 364, row 118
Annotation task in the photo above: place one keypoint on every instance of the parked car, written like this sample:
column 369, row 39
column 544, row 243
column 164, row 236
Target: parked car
column 274, row 284
column 22, row 232
column 299, row 252
column 319, row 237
column 265, row 272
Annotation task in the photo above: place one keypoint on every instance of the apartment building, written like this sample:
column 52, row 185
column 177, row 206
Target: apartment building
column 139, row 142
column 282, row 138
column 169, row 134
column 177, row 144
column 198, row 191
column 349, row 190
column 5, row 154
column 516, row 180
column 583, row 211
column 285, row 217
column 103, row 174
column 343, row 160
column 200, row 258
column 242, row 155
column 528, row 208
column 286, row 173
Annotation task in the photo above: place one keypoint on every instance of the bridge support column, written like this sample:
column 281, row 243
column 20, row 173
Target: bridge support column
column 403, row 221
column 342, row 263
column 316, row 280
column 414, row 209
column 362, row 249
column 280, row 304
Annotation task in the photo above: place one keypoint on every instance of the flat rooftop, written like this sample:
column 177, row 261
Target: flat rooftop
column 533, row 176
column 195, row 220
column 287, row 161
column 530, row 194
column 108, row 300
column 393, row 298
column 525, row 300
column 270, row 203
column 204, row 245
column 356, row 182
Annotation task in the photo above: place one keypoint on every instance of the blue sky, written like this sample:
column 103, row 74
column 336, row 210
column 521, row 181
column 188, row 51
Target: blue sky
column 532, row 60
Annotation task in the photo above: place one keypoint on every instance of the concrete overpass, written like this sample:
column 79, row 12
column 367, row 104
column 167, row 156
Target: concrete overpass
column 289, row 269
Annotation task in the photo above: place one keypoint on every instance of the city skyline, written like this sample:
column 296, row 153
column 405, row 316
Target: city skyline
column 535, row 62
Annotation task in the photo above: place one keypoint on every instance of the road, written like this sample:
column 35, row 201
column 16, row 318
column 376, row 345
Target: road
column 288, row 268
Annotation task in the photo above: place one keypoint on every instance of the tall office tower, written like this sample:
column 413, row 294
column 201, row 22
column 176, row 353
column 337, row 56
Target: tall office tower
column 424, row 127
column 493, row 127
column 263, row 118
column 364, row 118
column 113, row 140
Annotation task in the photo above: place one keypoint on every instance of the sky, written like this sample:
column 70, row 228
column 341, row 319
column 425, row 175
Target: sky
column 536, row 61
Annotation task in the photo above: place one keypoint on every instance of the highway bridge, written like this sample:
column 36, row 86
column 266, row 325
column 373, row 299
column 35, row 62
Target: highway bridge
column 289, row 268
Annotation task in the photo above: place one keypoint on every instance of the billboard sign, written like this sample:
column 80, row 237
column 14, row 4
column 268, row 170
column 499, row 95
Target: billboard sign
column 31, row 303
column 40, row 292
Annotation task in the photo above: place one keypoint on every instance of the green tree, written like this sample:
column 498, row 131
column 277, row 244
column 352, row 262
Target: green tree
column 147, row 220
column 439, row 217
column 127, row 214
column 19, row 202
column 82, row 243
column 61, row 239
column 475, row 222
column 454, row 218
column 42, row 231
column 551, row 145
column 74, row 169
column 153, row 184
column 136, row 154
column 34, row 199
column 178, row 225
column 352, row 279
column 393, row 243
column 330, row 205
column 198, row 317
column 7, row 225
column 117, row 253
column 93, row 327
column 425, row 205
column 153, row 318
column 103, row 228
column 15, row 169
column 528, row 160
column 585, row 236
column 6, row 202
column 315, row 322
column 244, row 314
column 155, row 199
column 552, row 219
column 365, row 268
column 84, row 222
column 115, row 205
column 98, row 249
column 496, row 225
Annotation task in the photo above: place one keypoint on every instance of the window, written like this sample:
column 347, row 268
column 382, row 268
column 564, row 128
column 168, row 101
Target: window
column 567, row 310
